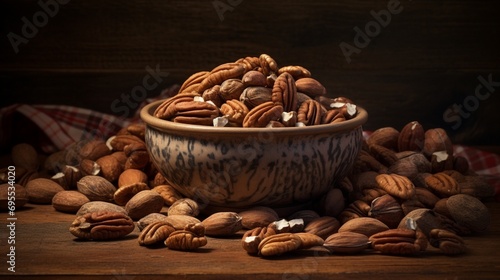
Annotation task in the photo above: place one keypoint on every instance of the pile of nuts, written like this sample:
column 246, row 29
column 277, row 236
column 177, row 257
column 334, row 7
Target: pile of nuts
column 406, row 189
column 254, row 92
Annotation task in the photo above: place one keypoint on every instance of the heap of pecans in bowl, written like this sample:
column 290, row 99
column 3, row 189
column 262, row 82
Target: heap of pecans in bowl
column 406, row 194
column 254, row 92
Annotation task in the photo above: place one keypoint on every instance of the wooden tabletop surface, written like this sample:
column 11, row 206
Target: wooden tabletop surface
column 44, row 248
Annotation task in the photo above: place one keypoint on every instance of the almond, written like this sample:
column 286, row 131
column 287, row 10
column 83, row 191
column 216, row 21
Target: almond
column 144, row 203
column 222, row 224
column 132, row 176
column 6, row 192
column 69, row 201
column 96, row 188
column 110, row 167
column 25, row 155
column 364, row 225
column 259, row 216
column 42, row 190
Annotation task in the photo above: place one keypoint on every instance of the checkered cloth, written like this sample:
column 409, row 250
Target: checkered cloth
column 64, row 125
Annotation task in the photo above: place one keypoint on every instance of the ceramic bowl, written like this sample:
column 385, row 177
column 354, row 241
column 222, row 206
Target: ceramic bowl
column 237, row 168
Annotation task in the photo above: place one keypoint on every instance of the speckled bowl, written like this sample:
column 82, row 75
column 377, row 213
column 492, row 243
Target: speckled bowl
column 236, row 168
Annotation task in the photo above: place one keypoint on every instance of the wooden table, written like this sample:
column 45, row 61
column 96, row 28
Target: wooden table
column 45, row 249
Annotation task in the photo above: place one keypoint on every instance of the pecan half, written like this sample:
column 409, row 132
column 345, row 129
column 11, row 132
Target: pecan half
column 195, row 112
column 166, row 109
column 399, row 241
column 396, row 185
column 323, row 226
column 193, row 82
column 213, row 94
column 285, row 92
column 102, row 226
column 221, row 73
column 268, row 64
column 250, row 63
column 442, row 184
column 261, row 115
column 279, row 244
column 154, row 233
column 332, row 116
column 190, row 238
column 448, row 242
column 310, row 112
column 235, row 111
column 297, row 72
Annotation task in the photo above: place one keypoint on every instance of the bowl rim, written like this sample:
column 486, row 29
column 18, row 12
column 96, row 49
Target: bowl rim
column 147, row 111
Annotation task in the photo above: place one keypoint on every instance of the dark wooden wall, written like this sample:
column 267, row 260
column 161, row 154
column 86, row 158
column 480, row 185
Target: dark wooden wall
column 426, row 59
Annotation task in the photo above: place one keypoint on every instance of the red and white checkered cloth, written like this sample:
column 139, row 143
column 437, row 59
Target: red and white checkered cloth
column 64, row 125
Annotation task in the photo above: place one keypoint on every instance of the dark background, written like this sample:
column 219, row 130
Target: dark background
column 425, row 60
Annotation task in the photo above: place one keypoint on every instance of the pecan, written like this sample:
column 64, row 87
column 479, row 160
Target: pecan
column 195, row 112
column 221, row 73
column 166, row 109
column 310, row 112
column 436, row 140
column 184, row 206
column 323, row 226
column 332, row 116
column 268, row 64
column 279, row 244
column 231, row 89
column 385, row 136
column 169, row 194
column 102, row 226
column 411, row 137
column 137, row 155
column 235, row 111
column 254, row 78
column 442, row 184
column 285, row 92
column 254, row 96
column 387, row 210
column 356, row 209
column 310, row 87
column 347, row 242
column 124, row 193
column 154, row 233
column 399, row 241
column 190, row 238
column 261, row 115
column 192, row 83
column 384, row 155
column 119, row 142
column 448, row 242
column 251, row 238
column 396, row 185
column 250, row 63
column 213, row 94
column 93, row 150
column 297, row 72
column 309, row 240
column 137, row 129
